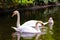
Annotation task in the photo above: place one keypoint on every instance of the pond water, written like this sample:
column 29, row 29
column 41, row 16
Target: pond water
column 6, row 21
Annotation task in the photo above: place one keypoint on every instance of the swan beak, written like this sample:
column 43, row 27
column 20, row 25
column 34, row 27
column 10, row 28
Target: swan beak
column 45, row 23
column 13, row 14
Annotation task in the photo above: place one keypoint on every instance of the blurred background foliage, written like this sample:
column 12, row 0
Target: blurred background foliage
column 14, row 3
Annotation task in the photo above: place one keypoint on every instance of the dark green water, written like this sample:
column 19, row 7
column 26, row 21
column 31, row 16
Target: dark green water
column 6, row 21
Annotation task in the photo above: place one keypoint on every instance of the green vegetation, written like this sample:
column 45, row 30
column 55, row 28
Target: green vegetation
column 13, row 3
column 23, row 1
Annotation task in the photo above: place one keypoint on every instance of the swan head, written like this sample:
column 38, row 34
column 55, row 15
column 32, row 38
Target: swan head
column 15, row 12
column 50, row 18
column 40, row 23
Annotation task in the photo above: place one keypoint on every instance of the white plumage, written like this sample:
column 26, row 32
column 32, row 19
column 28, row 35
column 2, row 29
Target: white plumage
column 28, row 29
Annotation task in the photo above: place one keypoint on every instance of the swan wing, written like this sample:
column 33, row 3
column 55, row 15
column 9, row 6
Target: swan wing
column 30, row 23
column 30, row 30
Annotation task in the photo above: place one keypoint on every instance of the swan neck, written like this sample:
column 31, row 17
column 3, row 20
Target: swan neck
column 18, row 19
column 37, row 28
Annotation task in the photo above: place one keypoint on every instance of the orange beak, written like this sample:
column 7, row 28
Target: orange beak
column 13, row 14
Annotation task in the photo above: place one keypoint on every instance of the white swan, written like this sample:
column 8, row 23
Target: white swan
column 51, row 23
column 29, row 28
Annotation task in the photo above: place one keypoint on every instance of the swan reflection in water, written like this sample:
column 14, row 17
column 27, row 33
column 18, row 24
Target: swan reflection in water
column 29, row 29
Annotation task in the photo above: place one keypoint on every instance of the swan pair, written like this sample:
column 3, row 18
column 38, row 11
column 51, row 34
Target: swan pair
column 29, row 28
